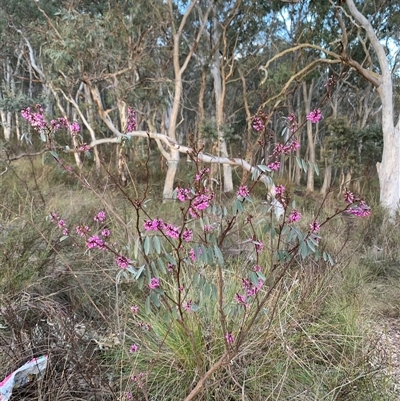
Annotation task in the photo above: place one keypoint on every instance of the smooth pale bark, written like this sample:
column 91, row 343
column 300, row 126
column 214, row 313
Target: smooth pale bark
column 389, row 168
column 307, row 95
column 220, row 92
column 172, row 155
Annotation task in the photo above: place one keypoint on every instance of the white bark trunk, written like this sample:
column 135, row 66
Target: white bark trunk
column 219, row 92
column 307, row 95
column 389, row 168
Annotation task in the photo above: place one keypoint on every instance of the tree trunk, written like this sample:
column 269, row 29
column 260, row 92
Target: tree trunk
column 219, row 91
column 310, row 138
column 389, row 168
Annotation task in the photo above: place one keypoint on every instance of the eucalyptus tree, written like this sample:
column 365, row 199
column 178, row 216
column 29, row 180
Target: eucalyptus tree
column 370, row 29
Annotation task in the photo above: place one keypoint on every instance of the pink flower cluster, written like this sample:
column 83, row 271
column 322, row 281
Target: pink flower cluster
column 131, row 123
column 84, row 148
column 230, row 338
column 55, row 218
column 168, row 229
column 200, row 202
column 250, row 290
column 82, row 230
column 280, row 148
column 294, row 216
column 280, row 190
column 192, row 254
column 38, row 121
column 123, row 262
column 258, row 124
column 59, row 123
column 243, row 191
column 154, row 283
column 187, row 305
column 360, row 210
column 202, row 173
column 314, row 226
column 358, row 207
column 35, row 119
column 274, row 166
column 293, row 122
column 74, row 128
column 101, row 216
column 314, row 116
column 134, row 348
column 95, row 242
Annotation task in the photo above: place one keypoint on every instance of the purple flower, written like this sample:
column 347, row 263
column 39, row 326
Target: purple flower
column 360, row 210
column 133, row 348
column 105, row 233
column 314, row 226
column 187, row 305
column 230, row 338
column 257, row 268
column 182, row 194
column 84, row 147
column 192, row 254
column 348, row 197
column 279, row 190
column 314, row 116
column 293, row 146
column 75, row 128
column 171, row 231
column 123, row 262
column 95, row 242
column 154, row 283
column 294, row 216
column 82, row 230
column 241, row 299
column 258, row 124
column 187, row 235
column 201, row 173
column 134, row 309
column 258, row 245
column 131, row 125
column 274, row 166
column 35, row 119
column 243, row 191
column 101, row 216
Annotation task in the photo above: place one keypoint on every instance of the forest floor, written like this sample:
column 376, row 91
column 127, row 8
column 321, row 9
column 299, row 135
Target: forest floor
column 390, row 338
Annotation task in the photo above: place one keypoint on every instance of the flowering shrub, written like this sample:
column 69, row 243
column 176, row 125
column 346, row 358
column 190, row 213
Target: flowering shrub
column 180, row 269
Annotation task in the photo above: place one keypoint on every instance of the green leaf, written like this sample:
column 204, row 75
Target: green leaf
column 147, row 307
column 155, row 299
column 147, row 245
column 136, row 248
column 64, row 237
column 54, row 154
column 310, row 245
column 298, row 161
column 303, row 249
column 157, row 244
column 304, row 165
column 219, row 255
column 170, row 259
column 253, row 278
column 161, row 265
column 154, row 269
